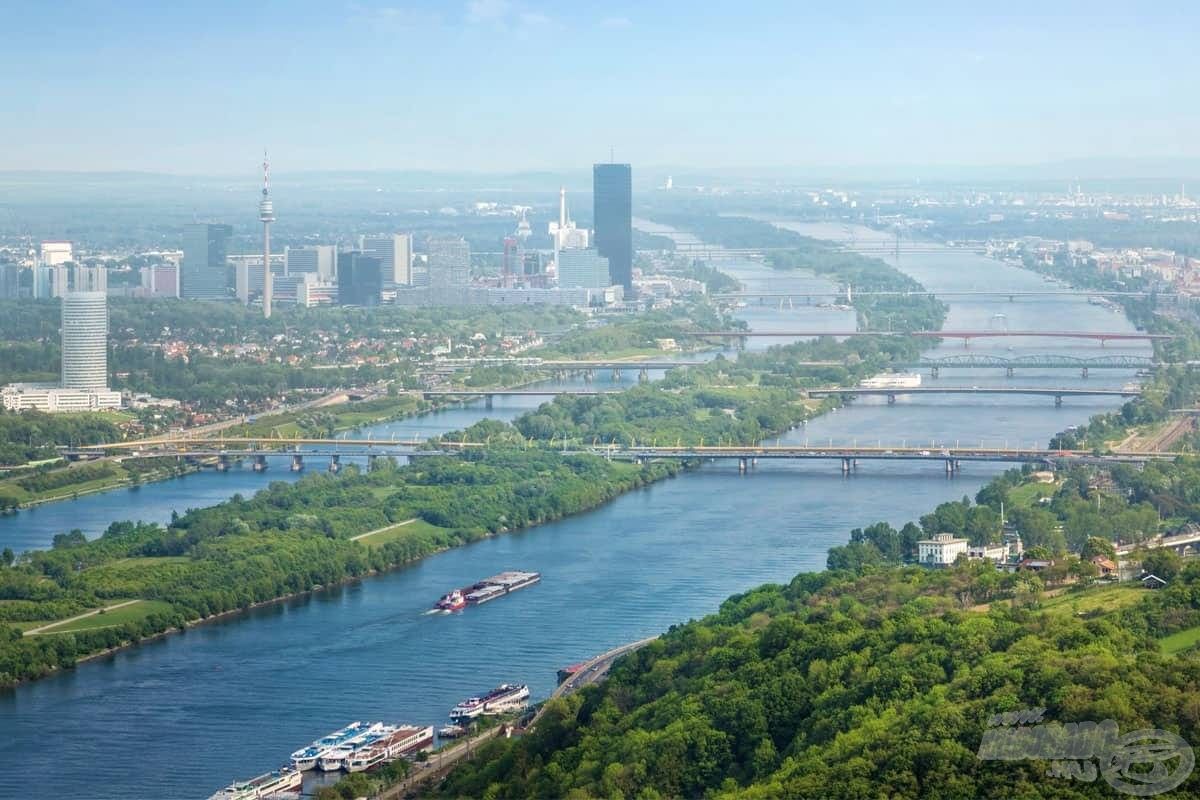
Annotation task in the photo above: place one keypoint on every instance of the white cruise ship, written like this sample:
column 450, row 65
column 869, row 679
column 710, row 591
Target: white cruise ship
column 283, row 782
column 506, row 697
column 307, row 757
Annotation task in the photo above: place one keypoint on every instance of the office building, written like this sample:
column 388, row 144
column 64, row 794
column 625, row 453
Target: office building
column 612, row 203
column 394, row 252
column 85, row 340
column 10, row 281
column 50, row 281
column 55, row 253
column 89, row 279
column 205, row 274
column 160, row 280
column 449, row 261
column 360, row 279
column 319, row 260
column 585, row 269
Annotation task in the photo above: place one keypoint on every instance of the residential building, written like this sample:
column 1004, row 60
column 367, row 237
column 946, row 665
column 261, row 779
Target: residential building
column 394, row 252
column 360, row 279
column 449, row 261
column 996, row 553
column 10, row 281
column 160, row 280
column 942, row 550
column 585, row 269
column 612, row 204
column 205, row 250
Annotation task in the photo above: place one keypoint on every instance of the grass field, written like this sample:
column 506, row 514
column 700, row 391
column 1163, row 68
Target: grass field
column 399, row 530
column 1181, row 641
column 1027, row 494
column 133, row 612
column 1096, row 598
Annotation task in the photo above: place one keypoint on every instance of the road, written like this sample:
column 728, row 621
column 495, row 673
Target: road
column 441, row 763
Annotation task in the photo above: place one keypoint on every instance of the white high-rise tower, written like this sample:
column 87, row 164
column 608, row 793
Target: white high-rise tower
column 266, row 213
column 85, row 340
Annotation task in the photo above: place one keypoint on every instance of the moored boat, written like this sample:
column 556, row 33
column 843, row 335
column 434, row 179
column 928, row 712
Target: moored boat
column 403, row 741
column 505, row 697
column 308, row 757
column 279, row 783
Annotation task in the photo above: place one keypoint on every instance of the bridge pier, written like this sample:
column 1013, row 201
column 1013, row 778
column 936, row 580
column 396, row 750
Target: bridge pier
column 616, row 374
column 845, row 466
column 335, row 463
column 891, row 399
column 260, row 463
column 743, row 465
column 489, row 402
column 297, row 462
column 1008, row 372
column 222, row 463
column 1083, row 373
column 589, row 375
column 951, row 466
column 934, row 372
column 643, row 375
column 372, row 462
column 1058, row 401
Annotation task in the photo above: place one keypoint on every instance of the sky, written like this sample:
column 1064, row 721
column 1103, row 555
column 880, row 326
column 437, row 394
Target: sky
column 509, row 85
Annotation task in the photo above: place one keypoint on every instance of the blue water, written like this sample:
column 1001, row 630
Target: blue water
column 184, row 715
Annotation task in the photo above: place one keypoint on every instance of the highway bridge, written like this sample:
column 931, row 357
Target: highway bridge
column 892, row 393
column 226, row 449
column 849, row 293
column 490, row 394
column 966, row 336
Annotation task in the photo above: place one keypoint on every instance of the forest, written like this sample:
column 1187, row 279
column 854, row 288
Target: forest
column 845, row 685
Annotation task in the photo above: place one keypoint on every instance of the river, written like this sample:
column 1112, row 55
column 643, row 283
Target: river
column 183, row 715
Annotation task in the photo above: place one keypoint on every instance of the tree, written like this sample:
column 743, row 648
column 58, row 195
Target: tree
column 7, row 557
column 1163, row 562
column 1096, row 546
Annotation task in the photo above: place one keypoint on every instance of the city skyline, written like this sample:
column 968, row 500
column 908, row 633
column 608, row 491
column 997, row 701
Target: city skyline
column 759, row 85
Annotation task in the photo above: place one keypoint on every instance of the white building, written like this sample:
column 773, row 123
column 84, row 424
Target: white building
column 585, row 269
column 942, row 550
column 85, row 341
column 563, row 232
column 54, row 399
column 997, row 553
column 55, row 253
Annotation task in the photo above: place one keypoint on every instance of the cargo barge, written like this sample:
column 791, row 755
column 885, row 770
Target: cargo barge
column 487, row 589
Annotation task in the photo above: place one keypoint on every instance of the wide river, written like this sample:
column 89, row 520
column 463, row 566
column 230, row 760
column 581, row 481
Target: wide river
column 184, row 715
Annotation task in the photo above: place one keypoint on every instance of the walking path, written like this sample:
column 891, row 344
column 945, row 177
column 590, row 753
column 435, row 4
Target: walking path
column 84, row 615
column 384, row 528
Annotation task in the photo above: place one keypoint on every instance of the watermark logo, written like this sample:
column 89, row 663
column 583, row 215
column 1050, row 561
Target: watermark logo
column 1141, row 763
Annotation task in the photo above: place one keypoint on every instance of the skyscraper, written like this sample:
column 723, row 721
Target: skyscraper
column 205, row 247
column 85, row 340
column 360, row 279
column 612, row 203
column 449, row 261
column 395, row 253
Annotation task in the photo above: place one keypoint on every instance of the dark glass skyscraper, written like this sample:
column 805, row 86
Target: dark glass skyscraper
column 612, row 203
column 360, row 279
column 205, row 274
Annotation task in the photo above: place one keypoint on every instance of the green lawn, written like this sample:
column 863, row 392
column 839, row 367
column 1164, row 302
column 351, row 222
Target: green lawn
column 398, row 531
column 119, row 616
column 1181, row 641
column 1101, row 598
column 1027, row 494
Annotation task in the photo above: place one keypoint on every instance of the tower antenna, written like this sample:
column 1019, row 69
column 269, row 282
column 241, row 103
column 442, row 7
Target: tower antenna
column 266, row 214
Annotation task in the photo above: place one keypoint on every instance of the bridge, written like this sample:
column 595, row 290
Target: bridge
column 1041, row 361
column 892, row 393
column 490, row 394
column 966, row 336
column 225, row 449
column 849, row 293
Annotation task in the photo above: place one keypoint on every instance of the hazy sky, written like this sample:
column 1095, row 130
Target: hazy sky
column 193, row 87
